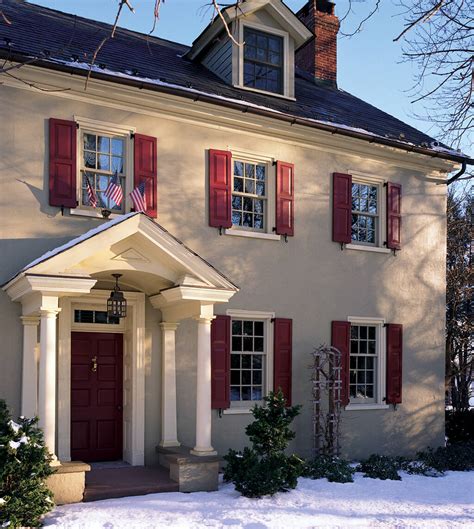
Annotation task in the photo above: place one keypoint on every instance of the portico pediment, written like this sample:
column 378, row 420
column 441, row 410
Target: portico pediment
column 149, row 258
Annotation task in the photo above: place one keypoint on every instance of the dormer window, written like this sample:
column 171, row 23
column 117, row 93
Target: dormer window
column 263, row 61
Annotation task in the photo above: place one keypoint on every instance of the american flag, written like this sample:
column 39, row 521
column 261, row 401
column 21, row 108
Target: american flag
column 138, row 197
column 114, row 190
column 91, row 193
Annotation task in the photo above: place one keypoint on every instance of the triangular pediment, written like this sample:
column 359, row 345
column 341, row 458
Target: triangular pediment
column 149, row 258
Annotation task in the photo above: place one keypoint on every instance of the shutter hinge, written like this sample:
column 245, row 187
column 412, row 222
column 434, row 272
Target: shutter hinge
column 62, row 210
column 385, row 184
column 272, row 320
column 385, row 325
column 274, row 162
column 285, row 237
column 77, row 125
column 132, row 135
column 220, row 230
column 274, row 229
column 342, row 246
column 220, row 413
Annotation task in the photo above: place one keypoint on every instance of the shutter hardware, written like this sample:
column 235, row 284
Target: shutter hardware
column 220, row 230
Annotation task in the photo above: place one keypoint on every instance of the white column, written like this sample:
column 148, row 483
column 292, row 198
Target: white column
column 29, row 382
column 203, row 391
column 169, row 430
column 47, row 377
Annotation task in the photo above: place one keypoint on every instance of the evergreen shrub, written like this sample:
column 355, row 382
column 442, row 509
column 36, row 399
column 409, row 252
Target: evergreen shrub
column 265, row 469
column 24, row 467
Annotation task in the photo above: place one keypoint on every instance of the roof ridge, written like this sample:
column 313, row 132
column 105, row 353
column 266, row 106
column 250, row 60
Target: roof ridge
column 48, row 11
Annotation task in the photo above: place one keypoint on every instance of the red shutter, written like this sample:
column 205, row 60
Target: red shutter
column 220, row 362
column 285, row 198
column 220, row 188
column 394, row 216
column 394, row 363
column 283, row 345
column 340, row 339
column 145, row 170
column 62, row 163
column 341, row 207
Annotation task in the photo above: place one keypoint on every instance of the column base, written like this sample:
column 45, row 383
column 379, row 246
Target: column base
column 55, row 461
column 169, row 444
column 202, row 452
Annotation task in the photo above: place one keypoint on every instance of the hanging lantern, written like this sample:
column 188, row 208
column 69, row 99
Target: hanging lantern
column 116, row 304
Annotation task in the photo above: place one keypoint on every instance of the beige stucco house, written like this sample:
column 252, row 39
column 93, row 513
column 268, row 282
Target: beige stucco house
column 280, row 213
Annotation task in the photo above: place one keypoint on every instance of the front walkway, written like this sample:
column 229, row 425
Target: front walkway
column 415, row 502
column 105, row 481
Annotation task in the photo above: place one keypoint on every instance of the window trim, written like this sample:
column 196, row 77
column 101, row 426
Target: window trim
column 242, row 407
column 270, row 206
column 381, row 378
column 381, row 231
column 97, row 127
column 286, row 58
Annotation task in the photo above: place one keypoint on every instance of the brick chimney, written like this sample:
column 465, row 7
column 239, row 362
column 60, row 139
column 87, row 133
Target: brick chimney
column 319, row 56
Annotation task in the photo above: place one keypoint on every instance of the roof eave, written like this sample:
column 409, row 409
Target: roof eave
column 242, row 106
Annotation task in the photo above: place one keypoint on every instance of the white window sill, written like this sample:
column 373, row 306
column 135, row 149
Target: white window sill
column 237, row 411
column 265, row 92
column 358, row 407
column 376, row 249
column 253, row 234
column 94, row 214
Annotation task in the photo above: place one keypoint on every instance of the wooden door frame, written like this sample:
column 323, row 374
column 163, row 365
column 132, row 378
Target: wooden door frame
column 135, row 351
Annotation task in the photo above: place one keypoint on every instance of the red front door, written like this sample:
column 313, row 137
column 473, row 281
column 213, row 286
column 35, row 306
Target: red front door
column 96, row 396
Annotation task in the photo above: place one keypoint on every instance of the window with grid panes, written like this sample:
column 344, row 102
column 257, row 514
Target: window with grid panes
column 263, row 61
column 249, row 195
column 363, row 363
column 101, row 157
column 365, row 213
column 247, row 360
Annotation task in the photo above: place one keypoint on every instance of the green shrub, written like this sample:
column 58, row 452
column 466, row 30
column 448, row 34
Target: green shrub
column 459, row 456
column 24, row 466
column 380, row 467
column 264, row 469
column 330, row 467
column 418, row 467
column 459, row 426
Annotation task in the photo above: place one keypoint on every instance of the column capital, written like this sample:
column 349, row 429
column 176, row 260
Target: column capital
column 30, row 320
column 207, row 320
column 49, row 313
column 168, row 326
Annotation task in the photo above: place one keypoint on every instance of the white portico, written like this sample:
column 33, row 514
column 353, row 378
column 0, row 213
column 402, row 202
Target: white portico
column 77, row 276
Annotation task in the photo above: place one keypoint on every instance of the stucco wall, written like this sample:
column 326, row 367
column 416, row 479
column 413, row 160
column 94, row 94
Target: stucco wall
column 308, row 279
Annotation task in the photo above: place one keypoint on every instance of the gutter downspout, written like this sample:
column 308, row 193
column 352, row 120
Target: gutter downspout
column 457, row 175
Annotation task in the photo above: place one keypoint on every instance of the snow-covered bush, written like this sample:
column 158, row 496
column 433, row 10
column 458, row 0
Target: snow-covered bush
column 330, row 467
column 264, row 469
column 380, row 467
column 24, row 466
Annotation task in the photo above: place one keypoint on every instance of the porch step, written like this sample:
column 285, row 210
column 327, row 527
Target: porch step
column 192, row 473
column 106, row 483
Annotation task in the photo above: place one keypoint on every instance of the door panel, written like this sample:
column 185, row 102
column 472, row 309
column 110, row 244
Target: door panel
column 96, row 396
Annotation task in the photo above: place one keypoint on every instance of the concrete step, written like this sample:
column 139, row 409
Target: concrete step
column 106, row 483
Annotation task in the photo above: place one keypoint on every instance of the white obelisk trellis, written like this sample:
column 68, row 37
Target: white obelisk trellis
column 326, row 387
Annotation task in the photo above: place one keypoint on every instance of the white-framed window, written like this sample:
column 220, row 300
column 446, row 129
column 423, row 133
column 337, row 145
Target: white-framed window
column 264, row 61
column 249, row 194
column 368, row 212
column 104, row 152
column 251, row 358
column 253, row 195
column 367, row 360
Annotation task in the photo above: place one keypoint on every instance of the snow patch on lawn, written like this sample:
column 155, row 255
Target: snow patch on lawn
column 415, row 502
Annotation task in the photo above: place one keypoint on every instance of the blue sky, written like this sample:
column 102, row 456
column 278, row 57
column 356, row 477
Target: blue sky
column 369, row 64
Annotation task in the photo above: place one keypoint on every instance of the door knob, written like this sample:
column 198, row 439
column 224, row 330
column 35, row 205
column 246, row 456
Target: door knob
column 94, row 364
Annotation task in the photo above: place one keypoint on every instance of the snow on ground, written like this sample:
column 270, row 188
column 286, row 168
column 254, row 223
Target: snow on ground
column 414, row 502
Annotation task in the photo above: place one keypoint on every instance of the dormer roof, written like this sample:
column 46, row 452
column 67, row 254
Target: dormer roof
column 276, row 8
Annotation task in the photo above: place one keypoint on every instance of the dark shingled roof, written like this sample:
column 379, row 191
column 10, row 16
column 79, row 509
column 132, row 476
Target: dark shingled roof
column 69, row 40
